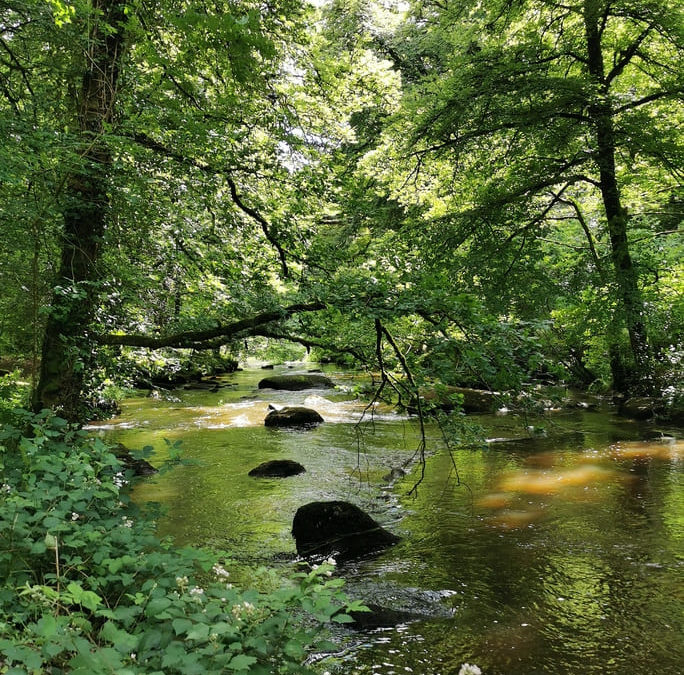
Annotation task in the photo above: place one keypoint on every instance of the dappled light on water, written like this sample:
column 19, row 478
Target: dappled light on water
column 531, row 560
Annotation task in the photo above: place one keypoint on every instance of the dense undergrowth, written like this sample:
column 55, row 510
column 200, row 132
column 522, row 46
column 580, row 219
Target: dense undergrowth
column 87, row 587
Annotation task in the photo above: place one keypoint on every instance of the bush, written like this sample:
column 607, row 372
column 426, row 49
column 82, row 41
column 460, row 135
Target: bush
column 14, row 392
column 87, row 587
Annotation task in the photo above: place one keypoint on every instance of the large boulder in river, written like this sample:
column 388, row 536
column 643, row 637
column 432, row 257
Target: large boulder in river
column 296, row 382
column 447, row 398
column 339, row 529
column 277, row 468
column 293, row 416
column 639, row 407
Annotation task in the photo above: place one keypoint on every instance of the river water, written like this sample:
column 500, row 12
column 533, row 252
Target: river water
column 556, row 552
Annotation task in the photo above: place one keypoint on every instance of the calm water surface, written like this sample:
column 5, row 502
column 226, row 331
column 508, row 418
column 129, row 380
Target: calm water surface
column 557, row 554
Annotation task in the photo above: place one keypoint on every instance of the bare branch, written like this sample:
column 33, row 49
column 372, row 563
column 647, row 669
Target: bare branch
column 156, row 146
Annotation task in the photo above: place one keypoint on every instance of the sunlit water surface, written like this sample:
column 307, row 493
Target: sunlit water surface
column 551, row 554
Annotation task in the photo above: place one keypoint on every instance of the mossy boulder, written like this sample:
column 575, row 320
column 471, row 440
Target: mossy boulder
column 293, row 416
column 382, row 617
column 296, row 382
column 338, row 529
column 446, row 398
column 277, row 468
column 651, row 407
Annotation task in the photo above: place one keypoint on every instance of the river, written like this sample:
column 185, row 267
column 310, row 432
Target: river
column 554, row 552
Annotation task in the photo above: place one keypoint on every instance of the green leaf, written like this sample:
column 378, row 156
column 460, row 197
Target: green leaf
column 124, row 642
column 181, row 625
column 200, row 632
column 241, row 662
column 87, row 599
column 46, row 626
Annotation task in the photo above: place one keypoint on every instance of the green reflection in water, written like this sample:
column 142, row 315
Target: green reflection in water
column 557, row 554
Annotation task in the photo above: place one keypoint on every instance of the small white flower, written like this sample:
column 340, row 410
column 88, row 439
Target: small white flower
column 468, row 669
column 74, row 515
column 220, row 571
column 127, row 522
column 242, row 608
column 5, row 488
column 196, row 590
column 181, row 582
column 119, row 479
column 330, row 561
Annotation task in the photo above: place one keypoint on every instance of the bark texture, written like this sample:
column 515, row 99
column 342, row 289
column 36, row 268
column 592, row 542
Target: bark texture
column 66, row 343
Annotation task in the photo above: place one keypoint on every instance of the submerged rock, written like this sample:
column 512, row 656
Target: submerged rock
column 382, row 617
column 277, row 468
column 650, row 407
column 640, row 407
column 338, row 528
column 140, row 467
column 395, row 474
column 293, row 416
column 296, row 382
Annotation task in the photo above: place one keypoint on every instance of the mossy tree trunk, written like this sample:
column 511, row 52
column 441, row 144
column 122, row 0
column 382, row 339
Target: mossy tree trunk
column 625, row 378
column 66, row 344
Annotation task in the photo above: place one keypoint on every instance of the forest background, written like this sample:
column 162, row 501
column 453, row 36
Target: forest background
column 484, row 194
column 489, row 193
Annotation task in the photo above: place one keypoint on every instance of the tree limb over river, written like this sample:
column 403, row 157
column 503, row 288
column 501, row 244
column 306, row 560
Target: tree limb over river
column 249, row 326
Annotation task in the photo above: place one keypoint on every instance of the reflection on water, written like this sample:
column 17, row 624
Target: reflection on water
column 554, row 554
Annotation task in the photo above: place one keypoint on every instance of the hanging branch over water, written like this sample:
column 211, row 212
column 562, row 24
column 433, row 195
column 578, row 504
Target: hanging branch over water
column 380, row 331
column 226, row 332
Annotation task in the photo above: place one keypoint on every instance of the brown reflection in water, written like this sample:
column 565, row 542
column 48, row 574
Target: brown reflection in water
column 648, row 450
column 495, row 500
column 508, row 519
column 510, row 643
column 521, row 496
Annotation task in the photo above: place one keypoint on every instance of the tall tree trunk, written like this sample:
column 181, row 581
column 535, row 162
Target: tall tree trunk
column 66, row 345
column 629, row 296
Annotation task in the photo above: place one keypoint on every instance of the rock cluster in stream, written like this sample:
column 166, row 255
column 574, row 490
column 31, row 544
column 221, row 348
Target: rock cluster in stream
column 296, row 382
column 277, row 468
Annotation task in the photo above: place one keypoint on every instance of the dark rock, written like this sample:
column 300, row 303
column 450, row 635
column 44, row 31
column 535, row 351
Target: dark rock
column 277, row 468
column 382, row 617
column 395, row 474
column 650, row 407
column 339, row 529
column 269, row 366
column 639, row 407
column 293, row 416
column 140, row 467
column 296, row 382
column 314, row 370
column 202, row 386
column 472, row 400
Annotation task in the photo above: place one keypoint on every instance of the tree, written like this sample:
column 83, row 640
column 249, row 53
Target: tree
column 534, row 106
column 141, row 97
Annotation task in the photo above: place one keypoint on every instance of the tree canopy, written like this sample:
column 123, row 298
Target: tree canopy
column 458, row 192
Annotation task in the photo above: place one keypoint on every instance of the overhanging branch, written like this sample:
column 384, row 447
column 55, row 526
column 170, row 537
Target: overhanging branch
column 189, row 339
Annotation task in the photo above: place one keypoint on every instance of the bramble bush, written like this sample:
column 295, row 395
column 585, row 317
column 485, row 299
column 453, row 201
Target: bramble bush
column 87, row 588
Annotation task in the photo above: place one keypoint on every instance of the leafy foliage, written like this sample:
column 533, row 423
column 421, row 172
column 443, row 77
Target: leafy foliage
column 88, row 588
